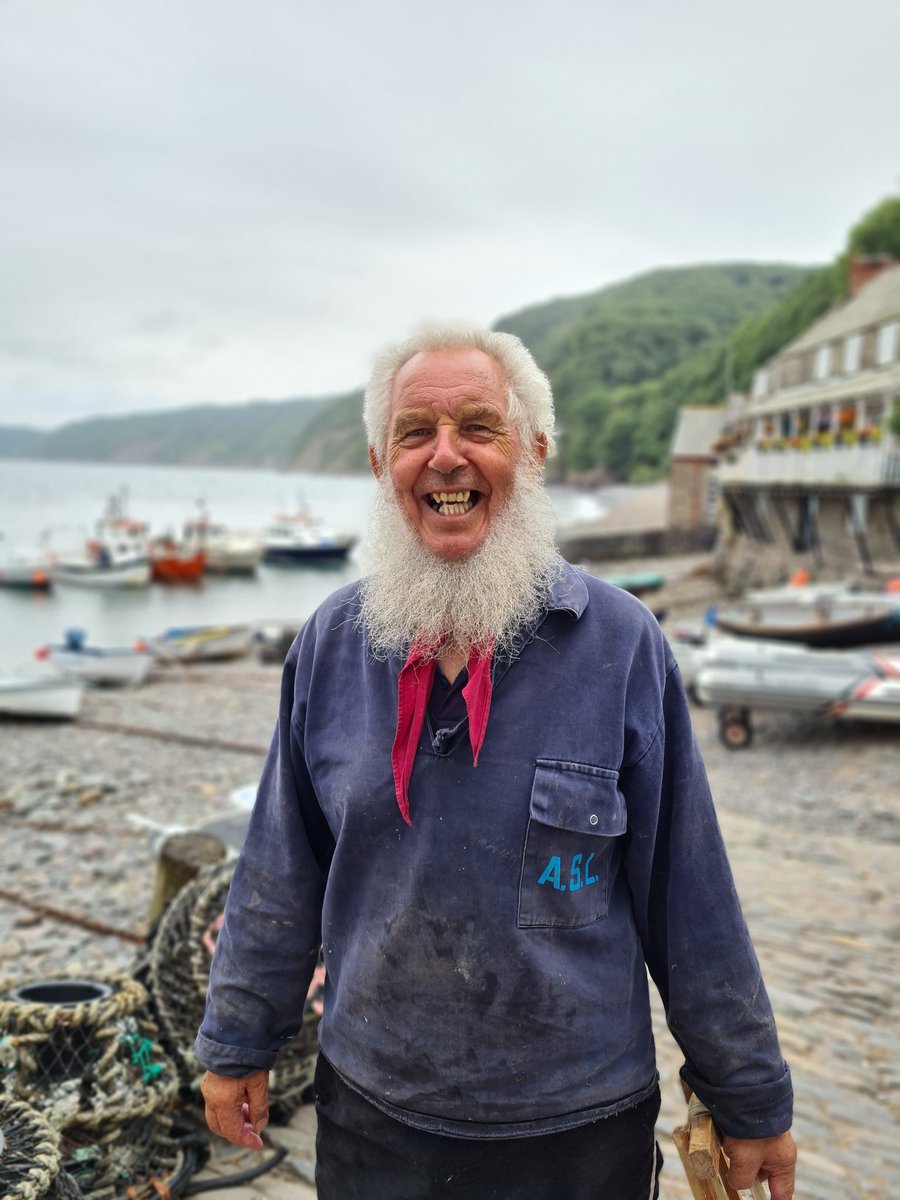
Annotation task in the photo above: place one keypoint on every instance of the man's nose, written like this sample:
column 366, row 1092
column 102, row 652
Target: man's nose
column 447, row 455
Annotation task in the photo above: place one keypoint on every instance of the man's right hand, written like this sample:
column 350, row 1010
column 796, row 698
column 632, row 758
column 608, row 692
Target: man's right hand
column 237, row 1109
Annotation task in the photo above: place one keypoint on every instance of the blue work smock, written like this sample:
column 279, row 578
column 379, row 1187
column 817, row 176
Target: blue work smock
column 486, row 964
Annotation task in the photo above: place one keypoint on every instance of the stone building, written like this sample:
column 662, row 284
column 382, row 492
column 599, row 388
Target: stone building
column 809, row 469
column 693, row 486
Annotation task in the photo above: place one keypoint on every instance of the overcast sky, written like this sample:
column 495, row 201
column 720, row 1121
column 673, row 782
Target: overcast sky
column 225, row 199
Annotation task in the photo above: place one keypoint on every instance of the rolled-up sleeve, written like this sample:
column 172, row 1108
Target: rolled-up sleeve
column 694, row 937
column 270, row 938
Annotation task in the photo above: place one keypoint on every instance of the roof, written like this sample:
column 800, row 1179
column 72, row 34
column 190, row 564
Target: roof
column 696, row 430
column 876, row 302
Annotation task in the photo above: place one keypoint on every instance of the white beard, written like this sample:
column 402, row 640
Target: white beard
column 413, row 595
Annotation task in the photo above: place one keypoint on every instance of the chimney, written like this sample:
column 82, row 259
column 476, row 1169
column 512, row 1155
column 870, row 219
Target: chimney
column 865, row 267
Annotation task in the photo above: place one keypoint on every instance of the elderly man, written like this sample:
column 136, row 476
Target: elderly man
column 484, row 803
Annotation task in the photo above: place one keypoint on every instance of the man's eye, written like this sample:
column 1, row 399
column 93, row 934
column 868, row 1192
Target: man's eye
column 479, row 429
column 412, row 434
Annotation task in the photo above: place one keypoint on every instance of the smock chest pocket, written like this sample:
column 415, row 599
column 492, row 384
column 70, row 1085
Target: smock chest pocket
column 577, row 814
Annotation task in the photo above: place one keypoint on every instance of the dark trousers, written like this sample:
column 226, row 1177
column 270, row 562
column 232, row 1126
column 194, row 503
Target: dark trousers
column 362, row 1154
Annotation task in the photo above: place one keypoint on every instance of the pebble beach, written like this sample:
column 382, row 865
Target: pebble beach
column 810, row 813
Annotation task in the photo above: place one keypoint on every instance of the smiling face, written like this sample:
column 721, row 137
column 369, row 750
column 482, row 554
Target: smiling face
column 452, row 452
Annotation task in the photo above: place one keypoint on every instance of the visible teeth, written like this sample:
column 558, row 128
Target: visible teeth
column 452, row 504
column 451, row 497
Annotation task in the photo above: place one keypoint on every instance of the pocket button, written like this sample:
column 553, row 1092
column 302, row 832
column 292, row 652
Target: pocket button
column 593, row 819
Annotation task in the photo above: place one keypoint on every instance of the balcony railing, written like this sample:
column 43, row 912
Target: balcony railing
column 803, row 460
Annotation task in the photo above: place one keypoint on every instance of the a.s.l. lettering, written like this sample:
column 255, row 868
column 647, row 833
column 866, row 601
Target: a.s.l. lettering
column 579, row 873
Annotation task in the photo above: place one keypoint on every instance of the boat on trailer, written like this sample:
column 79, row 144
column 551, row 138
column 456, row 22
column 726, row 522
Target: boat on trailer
column 739, row 676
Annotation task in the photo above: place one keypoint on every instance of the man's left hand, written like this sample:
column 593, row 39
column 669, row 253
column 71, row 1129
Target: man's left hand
column 772, row 1159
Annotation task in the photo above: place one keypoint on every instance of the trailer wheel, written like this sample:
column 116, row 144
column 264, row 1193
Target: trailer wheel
column 735, row 731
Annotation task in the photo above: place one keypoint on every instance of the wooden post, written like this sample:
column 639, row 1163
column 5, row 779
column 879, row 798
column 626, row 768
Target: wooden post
column 180, row 858
column 699, row 1146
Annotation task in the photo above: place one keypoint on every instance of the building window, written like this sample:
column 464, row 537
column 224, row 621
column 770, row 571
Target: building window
column 852, row 353
column 822, row 362
column 888, row 336
column 760, row 383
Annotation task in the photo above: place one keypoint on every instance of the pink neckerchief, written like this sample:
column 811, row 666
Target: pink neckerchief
column 413, row 690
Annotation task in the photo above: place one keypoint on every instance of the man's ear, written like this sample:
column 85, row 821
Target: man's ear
column 374, row 463
column 540, row 448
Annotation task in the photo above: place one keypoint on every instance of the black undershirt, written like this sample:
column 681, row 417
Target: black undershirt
column 446, row 705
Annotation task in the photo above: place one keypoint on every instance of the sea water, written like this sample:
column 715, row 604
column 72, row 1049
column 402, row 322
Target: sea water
column 60, row 503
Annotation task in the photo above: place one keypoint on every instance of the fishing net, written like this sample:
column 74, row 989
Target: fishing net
column 176, row 971
column 83, row 1052
column 64, row 1187
column 142, row 1159
column 29, row 1157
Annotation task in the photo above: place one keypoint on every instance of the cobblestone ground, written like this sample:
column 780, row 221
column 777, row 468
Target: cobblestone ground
column 811, row 815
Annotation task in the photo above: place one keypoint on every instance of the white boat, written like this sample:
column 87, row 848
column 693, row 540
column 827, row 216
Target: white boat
column 737, row 676
column 299, row 537
column 778, row 675
column 117, row 556
column 825, row 615
column 44, row 696
column 228, row 551
column 201, row 643
column 873, row 700
column 24, row 568
column 101, row 665
column 100, row 570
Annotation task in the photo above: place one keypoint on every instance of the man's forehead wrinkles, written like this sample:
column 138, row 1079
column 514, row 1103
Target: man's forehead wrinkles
column 421, row 408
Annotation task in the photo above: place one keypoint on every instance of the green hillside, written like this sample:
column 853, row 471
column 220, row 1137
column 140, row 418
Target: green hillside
column 625, row 432
column 609, row 352
column 622, row 361
column 593, row 346
column 252, row 434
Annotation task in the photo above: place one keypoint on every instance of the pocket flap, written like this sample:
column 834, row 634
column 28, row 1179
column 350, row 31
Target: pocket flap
column 578, row 796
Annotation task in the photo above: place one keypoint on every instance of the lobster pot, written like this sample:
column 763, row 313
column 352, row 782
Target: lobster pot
column 29, row 1156
column 164, row 969
column 82, row 1051
column 141, row 1159
column 176, row 972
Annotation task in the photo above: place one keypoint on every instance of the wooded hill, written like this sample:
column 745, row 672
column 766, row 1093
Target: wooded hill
column 594, row 348
column 622, row 362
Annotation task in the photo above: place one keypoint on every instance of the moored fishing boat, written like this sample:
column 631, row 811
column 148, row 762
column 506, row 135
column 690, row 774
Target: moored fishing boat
column 102, row 665
column 175, row 562
column 24, row 568
column 201, row 643
column 102, row 566
column 227, row 551
column 299, row 537
column 49, row 697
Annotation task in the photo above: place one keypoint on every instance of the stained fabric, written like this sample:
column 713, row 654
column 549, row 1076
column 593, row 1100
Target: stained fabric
column 487, row 966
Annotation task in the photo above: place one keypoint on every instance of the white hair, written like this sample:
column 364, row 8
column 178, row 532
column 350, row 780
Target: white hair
column 528, row 391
